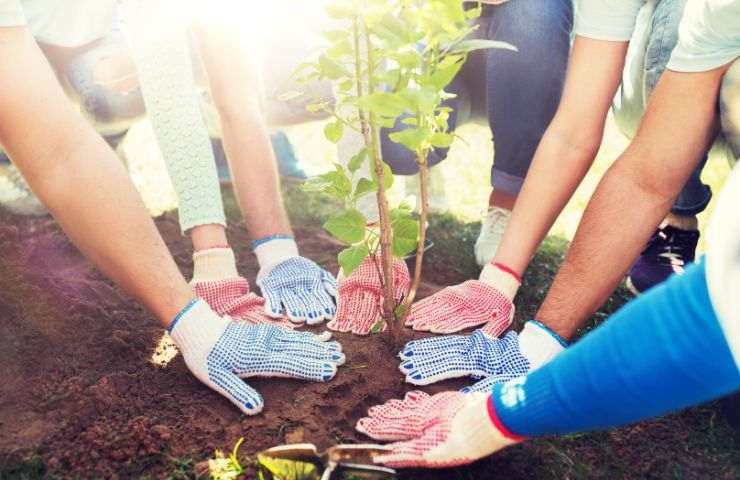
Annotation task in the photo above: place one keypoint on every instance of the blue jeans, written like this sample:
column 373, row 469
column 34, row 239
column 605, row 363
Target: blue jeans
column 650, row 50
column 517, row 92
column 111, row 111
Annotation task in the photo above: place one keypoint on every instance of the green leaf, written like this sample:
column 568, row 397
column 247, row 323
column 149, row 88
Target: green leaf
column 357, row 160
column 352, row 257
column 331, row 69
column 387, row 175
column 398, row 312
column 391, row 29
column 411, row 138
column 404, row 209
column 333, row 131
column 365, row 186
column 474, row 13
column 284, row 469
column 424, row 99
column 347, row 226
column 340, row 49
column 383, row 103
column 441, row 140
column 317, row 107
column 385, row 122
column 377, row 326
column 405, row 236
column 287, row 96
column 467, row 46
column 336, row 184
column 408, row 60
column 446, row 71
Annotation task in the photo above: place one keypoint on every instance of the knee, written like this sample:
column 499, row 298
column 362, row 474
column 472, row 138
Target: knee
column 730, row 106
column 109, row 89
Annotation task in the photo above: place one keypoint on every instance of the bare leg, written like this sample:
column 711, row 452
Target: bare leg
column 502, row 200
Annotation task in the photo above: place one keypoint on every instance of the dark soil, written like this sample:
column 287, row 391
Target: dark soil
column 79, row 396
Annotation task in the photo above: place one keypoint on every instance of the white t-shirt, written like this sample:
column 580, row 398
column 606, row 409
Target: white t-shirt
column 64, row 23
column 709, row 36
column 11, row 13
column 723, row 261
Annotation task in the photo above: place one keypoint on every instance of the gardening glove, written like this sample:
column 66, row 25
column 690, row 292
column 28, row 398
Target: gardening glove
column 472, row 303
column 360, row 301
column 480, row 355
column 216, row 281
column 293, row 285
column 220, row 352
column 444, row 430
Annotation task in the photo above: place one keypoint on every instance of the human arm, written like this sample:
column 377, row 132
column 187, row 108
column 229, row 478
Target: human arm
column 290, row 283
column 235, row 82
column 664, row 351
column 71, row 169
column 567, row 149
column 163, row 58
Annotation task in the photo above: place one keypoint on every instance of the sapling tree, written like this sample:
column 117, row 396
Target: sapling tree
column 390, row 62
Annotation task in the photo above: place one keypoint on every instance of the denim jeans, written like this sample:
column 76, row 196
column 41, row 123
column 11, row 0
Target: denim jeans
column 516, row 92
column 110, row 110
column 650, row 49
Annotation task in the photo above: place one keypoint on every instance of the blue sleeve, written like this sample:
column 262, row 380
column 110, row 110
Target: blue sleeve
column 662, row 352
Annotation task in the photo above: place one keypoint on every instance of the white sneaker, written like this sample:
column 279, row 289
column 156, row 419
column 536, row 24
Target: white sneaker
column 491, row 233
column 16, row 196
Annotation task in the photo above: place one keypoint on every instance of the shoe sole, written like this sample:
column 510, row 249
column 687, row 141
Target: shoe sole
column 631, row 287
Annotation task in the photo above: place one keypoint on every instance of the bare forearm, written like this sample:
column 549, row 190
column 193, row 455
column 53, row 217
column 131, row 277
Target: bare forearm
column 556, row 171
column 81, row 180
column 619, row 220
column 255, row 176
column 567, row 149
column 89, row 193
column 236, row 86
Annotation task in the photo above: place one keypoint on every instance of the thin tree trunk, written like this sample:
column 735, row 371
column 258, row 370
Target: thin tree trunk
column 372, row 143
column 386, row 231
column 423, row 179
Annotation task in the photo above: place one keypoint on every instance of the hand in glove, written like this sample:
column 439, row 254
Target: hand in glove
column 443, row 430
column 472, row 303
column 216, row 281
column 294, row 285
column 360, row 301
column 480, row 355
column 221, row 352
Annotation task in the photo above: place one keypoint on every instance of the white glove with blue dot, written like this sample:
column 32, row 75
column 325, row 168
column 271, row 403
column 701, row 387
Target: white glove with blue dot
column 479, row 355
column 294, row 285
column 221, row 352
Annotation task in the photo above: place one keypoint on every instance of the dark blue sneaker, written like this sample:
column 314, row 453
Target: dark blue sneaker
column 669, row 251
